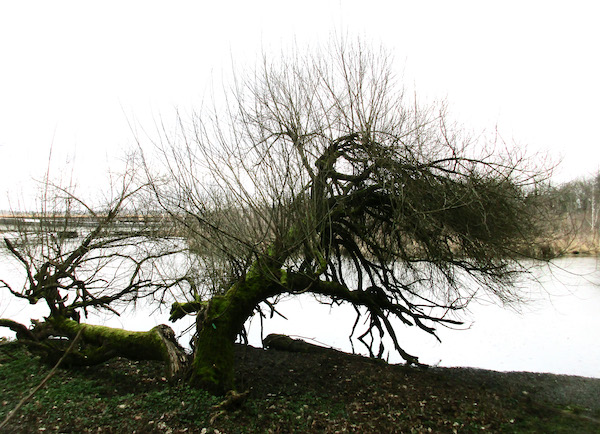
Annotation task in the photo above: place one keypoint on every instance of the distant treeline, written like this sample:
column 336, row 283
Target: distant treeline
column 573, row 226
column 577, row 205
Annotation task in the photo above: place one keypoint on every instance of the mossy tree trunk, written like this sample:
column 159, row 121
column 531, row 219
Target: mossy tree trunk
column 99, row 344
column 104, row 343
column 220, row 322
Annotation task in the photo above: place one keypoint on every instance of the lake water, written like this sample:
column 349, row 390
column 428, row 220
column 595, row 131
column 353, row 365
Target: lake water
column 558, row 331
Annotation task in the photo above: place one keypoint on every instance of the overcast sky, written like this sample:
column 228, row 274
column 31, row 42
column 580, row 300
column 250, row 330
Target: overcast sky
column 73, row 72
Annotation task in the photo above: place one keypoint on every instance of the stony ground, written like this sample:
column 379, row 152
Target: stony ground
column 295, row 392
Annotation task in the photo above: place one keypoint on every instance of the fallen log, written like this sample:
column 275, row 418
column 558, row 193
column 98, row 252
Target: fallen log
column 99, row 344
column 285, row 343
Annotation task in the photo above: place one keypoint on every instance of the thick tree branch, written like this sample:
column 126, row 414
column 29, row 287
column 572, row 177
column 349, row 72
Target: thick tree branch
column 21, row 331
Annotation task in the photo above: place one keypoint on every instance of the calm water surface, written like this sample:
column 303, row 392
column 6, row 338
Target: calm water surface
column 558, row 331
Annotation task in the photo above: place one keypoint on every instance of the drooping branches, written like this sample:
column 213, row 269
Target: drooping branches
column 318, row 174
column 323, row 169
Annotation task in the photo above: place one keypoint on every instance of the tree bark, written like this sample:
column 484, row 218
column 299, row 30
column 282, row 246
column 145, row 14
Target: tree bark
column 218, row 325
column 285, row 343
column 156, row 344
column 100, row 344
column 21, row 331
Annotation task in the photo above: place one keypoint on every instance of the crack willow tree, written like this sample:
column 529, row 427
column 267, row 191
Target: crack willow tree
column 317, row 174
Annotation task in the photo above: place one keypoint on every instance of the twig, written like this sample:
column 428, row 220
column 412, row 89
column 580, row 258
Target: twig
column 44, row 381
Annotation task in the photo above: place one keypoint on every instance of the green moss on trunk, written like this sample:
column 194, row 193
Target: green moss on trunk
column 219, row 325
column 103, row 343
column 179, row 310
column 213, row 364
column 133, row 345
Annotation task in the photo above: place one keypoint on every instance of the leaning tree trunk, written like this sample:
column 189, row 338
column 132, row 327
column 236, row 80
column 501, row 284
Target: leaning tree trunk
column 219, row 322
column 213, row 365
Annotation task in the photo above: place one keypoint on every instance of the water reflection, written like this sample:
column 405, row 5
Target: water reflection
column 557, row 331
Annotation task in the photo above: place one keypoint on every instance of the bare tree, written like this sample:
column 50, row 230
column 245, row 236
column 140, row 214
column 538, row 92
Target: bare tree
column 317, row 174
column 76, row 257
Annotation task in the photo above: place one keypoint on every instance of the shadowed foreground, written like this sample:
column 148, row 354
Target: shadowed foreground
column 297, row 392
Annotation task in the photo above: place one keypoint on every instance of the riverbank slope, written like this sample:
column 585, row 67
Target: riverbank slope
column 295, row 392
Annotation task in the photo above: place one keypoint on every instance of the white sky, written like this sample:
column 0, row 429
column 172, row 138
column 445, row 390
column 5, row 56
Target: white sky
column 72, row 72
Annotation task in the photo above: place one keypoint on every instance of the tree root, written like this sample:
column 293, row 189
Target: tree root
column 233, row 400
